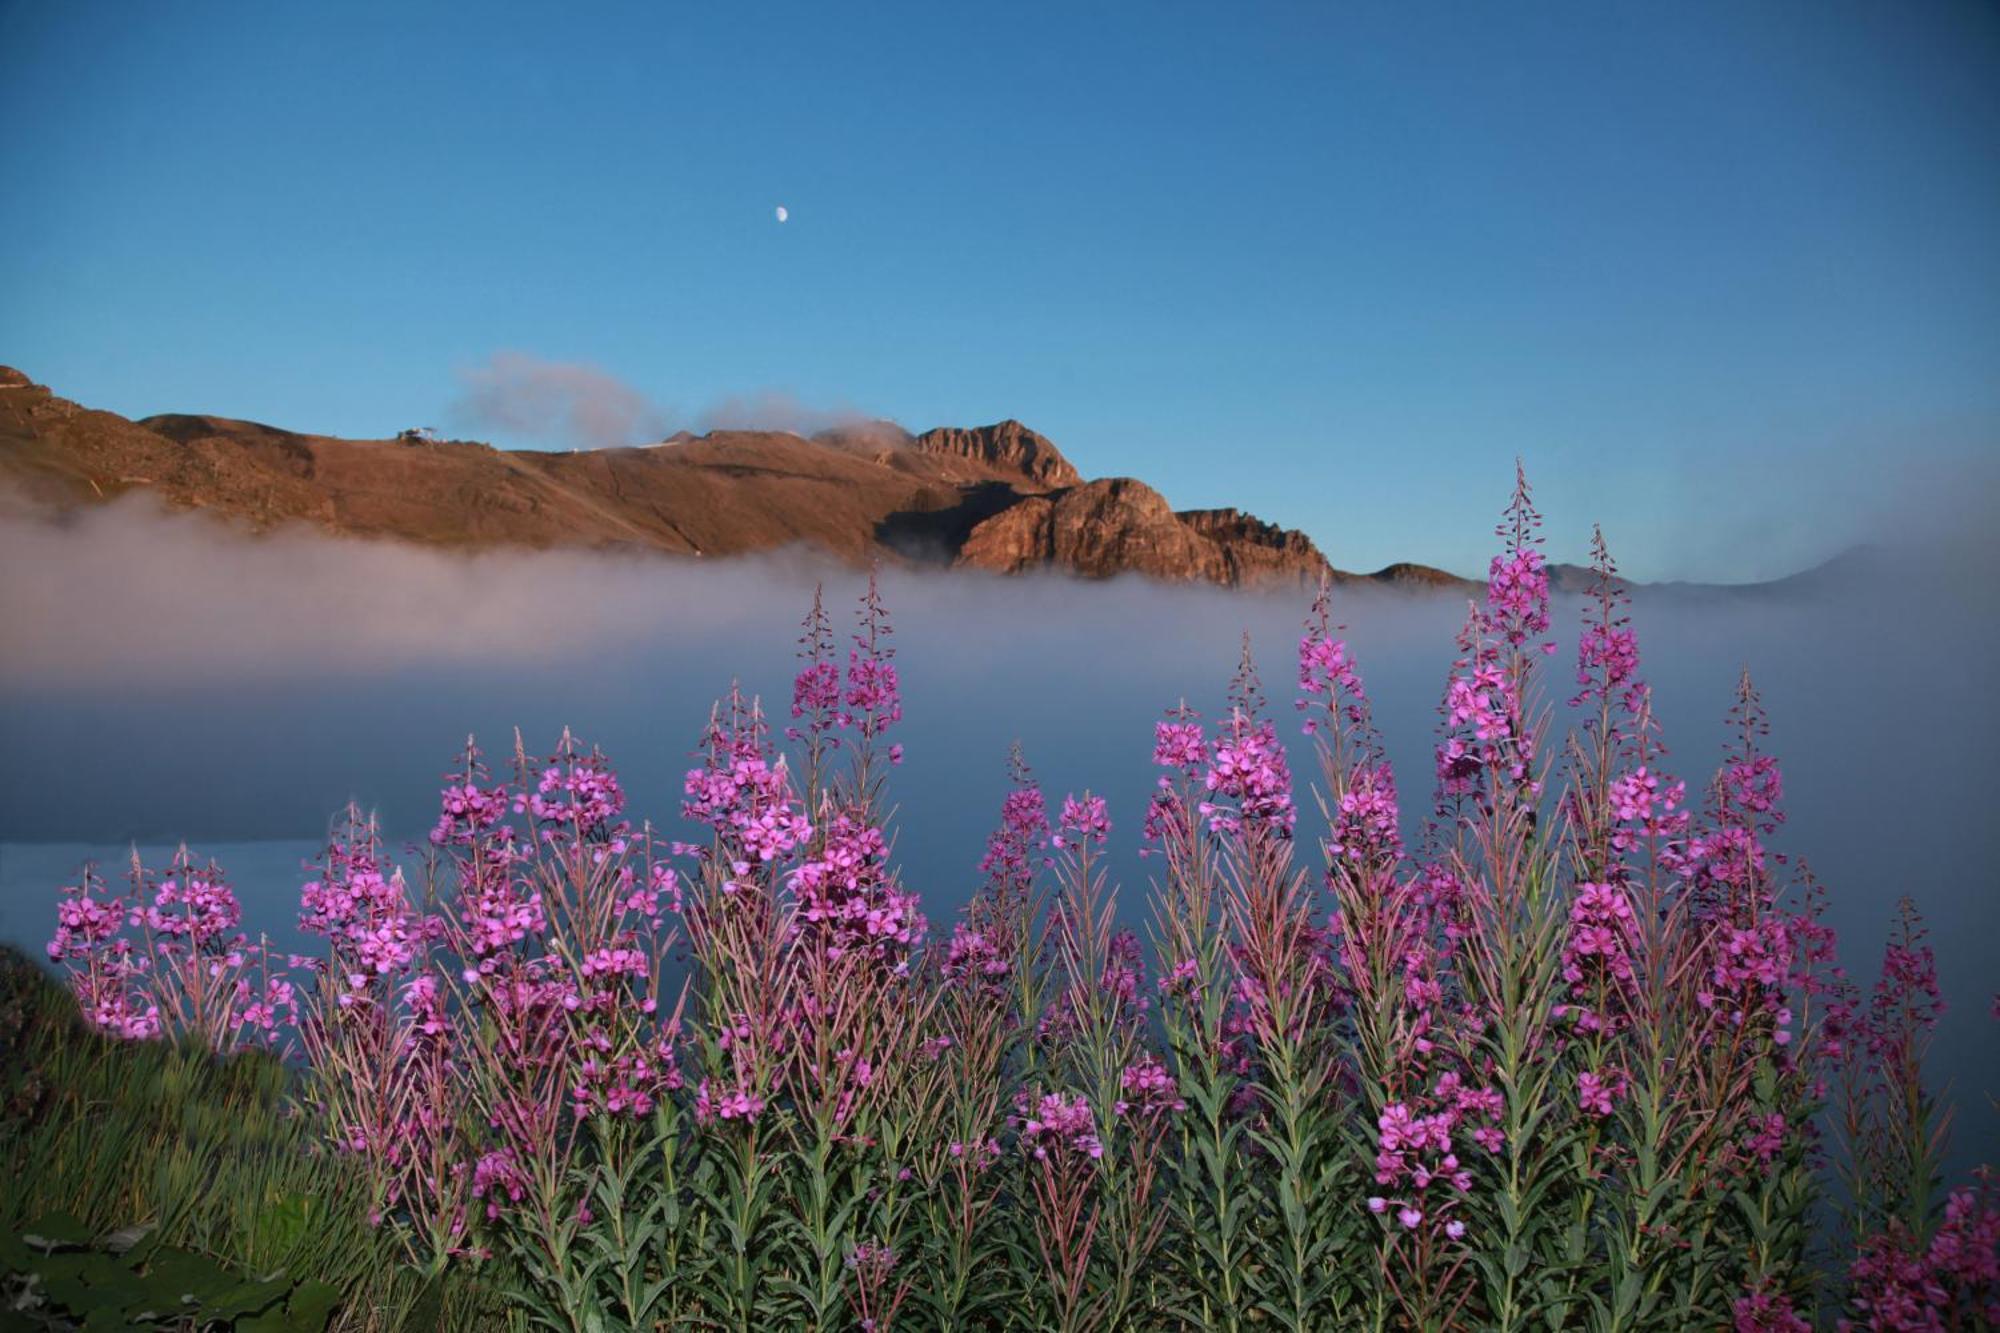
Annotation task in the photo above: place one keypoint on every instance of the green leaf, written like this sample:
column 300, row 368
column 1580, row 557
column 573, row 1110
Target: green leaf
column 176, row 1276
column 55, row 1231
column 248, row 1298
column 311, row 1306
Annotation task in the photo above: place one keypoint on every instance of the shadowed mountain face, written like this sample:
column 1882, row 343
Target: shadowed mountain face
column 999, row 497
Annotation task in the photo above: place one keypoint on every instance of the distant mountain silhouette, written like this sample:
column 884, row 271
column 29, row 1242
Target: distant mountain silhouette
column 1001, row 498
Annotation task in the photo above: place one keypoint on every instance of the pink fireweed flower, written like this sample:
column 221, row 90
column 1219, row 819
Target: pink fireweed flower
column 1607, row 658
column 1166, row 823
column 1327, row 673
column 86, row 918
column 185, row 969
column 629, row 1084
column 1899, row 1281
column 1055, row 1126
column 712, row 1105
column 496, row 910
column 365, row 916
column 1249, row 779
column 1012, row 848
column 848, row 899
column 1648, row 808
column 1597, row 956
column 191, row 903
column 1767, row 1136
column 1485, row 731
column 1084, row 820
column 575, row 789
column 816, row 687
column 815, row 691
column 745, row 795
column 1366, row 822
column 1906, row 1002
column 873, row 697
column 873, row 694
column 613, row 963
column 1122, row 983
column 1181, row 743
column 1148, row 1090
column 644, row 898
column 1766, row 1310
column 498, row 1179
column 978, row 958
column 468, row 810
column 1124, row 976
column 1598, row 1091
column 1517, row 589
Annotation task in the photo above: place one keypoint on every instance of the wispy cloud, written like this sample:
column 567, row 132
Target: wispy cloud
column 524, row 398
column 555, row 402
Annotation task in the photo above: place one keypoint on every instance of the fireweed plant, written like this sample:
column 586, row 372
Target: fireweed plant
column 1572, row 1052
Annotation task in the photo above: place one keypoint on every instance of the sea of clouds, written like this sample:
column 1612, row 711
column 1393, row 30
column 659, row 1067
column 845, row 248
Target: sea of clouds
column 164, row 677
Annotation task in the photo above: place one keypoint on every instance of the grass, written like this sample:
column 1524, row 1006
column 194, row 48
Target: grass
column 151, row 1144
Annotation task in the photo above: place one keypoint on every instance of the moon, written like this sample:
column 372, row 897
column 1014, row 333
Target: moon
column 783, row 212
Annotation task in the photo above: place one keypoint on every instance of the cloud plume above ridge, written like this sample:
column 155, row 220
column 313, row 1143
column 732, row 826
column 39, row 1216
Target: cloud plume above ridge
column 555, row 402
column 564, row 404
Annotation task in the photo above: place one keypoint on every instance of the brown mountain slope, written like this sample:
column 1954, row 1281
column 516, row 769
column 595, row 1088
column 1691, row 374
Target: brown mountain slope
column 997, row 497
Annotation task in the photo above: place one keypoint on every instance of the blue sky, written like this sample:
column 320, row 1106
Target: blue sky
column 1727, row 275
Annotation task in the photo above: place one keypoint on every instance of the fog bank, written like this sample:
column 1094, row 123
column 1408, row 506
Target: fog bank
column 162, row 678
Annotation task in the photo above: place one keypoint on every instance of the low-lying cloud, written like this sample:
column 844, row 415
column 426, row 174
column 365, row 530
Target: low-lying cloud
column 162, row 676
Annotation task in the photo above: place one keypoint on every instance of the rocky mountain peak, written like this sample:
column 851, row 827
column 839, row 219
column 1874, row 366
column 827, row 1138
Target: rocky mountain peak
column 1005, row 444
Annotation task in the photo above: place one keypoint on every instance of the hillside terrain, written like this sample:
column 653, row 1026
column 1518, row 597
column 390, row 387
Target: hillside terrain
column 1001, row 497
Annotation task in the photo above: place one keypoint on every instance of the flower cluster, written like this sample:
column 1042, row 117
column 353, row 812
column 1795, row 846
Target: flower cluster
column 1517, row 587
column 1056, row 1127
column 746, row 797
column 1148, row 1090
column 1328, row 677
column 1597, row 956
column 1767, row 1310
column 1012, row 848
column 577, row 790
column 364, row 914
column 1486, row 735
column 978, row 958
column 182, row 970
column 1085, row 820
column 872, row 700
column 1366, row 820
column 1249, row 780
column 848, row 901
column 713, row 1104
column 1898, row 1282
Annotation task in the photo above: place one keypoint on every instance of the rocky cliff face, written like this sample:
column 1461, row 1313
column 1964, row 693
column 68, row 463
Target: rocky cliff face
column 1008, row 445
column 999, row 497
column 1120, row 525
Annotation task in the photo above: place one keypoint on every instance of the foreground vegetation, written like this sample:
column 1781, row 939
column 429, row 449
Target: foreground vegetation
column 1576, row 1052
column 157, row 1184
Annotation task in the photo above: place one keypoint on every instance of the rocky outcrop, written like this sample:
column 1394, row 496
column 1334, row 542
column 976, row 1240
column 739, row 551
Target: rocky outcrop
column 1008, row 445
column 1120, row 525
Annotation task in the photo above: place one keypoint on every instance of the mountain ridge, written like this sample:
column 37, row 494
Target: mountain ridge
column 1000, row 497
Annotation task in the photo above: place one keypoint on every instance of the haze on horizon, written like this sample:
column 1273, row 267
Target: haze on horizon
column 1728, row 277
